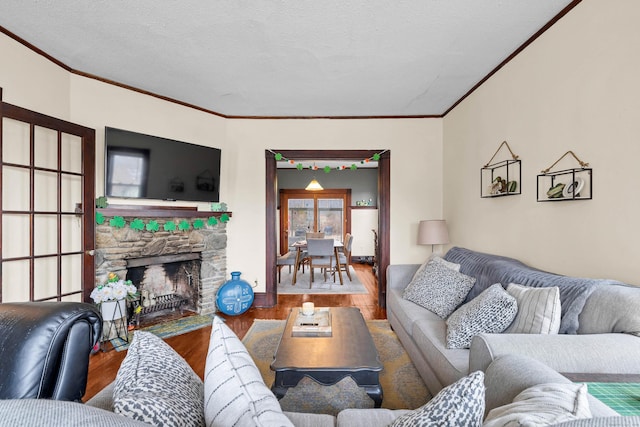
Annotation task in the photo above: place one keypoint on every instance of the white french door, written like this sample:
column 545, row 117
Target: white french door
column 47, row 207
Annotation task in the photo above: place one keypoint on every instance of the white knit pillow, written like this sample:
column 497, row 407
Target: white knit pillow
column 234, row 391
column 438, row 288
column 538, row 310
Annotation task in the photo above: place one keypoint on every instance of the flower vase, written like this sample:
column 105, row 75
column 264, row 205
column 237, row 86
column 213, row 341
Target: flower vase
column 113, row 310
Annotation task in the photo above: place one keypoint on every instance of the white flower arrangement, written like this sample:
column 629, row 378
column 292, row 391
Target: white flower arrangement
column 114, row 289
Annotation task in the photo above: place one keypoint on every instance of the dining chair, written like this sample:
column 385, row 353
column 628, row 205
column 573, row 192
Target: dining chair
column 321, row 254
column 345, row 256
column 304, row 257
column 314, row 235
column 287, row 259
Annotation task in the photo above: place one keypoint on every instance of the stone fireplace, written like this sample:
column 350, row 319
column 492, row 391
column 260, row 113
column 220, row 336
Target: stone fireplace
column 188, row 265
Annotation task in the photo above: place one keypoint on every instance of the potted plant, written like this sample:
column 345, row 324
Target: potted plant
column 112, row 297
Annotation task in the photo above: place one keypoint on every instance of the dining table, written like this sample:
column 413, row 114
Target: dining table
column 301, row 245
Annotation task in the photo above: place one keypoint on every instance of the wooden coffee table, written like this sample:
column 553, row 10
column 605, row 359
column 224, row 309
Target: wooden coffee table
column 349, row 351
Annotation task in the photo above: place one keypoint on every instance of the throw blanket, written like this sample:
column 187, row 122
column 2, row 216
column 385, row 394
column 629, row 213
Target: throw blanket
column 489, row 269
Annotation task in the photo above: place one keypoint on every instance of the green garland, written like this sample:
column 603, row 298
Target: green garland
column 152, row 225
column 280, row 158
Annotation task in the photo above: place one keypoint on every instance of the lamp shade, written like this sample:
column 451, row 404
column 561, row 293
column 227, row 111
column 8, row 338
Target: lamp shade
column 433, row 232
column 314, row 185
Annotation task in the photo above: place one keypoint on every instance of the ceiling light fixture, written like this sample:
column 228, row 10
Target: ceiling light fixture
column 314, row 185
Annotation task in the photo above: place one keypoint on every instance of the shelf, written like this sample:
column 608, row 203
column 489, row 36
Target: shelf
column 501, row 179
column 565, row 185
column 157, row 211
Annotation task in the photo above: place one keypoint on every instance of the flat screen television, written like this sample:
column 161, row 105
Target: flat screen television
column 149, row 167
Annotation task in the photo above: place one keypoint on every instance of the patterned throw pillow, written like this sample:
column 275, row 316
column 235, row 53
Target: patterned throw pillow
column 235, row 394
column 491, row 312
column 459, row 404
column 157, row 386
column 438, row 288
column 541, row 405
column 538, row 310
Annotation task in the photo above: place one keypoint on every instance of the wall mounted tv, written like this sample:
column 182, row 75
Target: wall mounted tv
column 149, row 167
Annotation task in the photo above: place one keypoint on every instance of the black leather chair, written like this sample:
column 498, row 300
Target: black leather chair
column 45, row 349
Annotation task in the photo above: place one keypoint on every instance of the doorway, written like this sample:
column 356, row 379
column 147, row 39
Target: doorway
column 269, row 297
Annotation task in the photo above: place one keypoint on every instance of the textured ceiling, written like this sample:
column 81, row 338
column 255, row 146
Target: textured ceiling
column 291, row 58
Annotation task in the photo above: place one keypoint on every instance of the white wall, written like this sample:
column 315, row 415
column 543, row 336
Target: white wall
column 33, row 82
column 575, row 88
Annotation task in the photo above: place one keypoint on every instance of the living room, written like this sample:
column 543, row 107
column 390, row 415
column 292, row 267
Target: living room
column 573, row 89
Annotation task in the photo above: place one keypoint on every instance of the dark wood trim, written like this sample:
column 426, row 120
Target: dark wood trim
column 363, row 207
column 269, row 297
column 515, row 53
column 158, row 211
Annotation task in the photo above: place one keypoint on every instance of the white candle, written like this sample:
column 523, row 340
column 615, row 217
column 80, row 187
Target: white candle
column 307, row 308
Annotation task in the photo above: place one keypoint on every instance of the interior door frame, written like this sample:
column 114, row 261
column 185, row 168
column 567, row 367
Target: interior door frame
column 87, row 211
column 270, row 297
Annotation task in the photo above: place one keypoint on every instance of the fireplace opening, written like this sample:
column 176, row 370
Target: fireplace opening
column 165, row 284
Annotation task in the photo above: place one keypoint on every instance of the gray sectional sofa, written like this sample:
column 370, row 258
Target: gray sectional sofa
column 600, row 327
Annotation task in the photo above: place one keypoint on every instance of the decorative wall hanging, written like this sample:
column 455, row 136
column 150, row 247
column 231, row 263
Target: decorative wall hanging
column 154, row 225
column 567, row 184
column 501, row 178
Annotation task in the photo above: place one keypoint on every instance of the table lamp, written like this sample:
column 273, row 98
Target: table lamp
column 433, row 232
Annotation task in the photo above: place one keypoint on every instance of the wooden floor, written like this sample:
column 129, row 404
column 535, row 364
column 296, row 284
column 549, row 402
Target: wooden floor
column 103, row 366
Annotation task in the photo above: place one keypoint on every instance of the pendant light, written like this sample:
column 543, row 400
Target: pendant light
column 314, row 185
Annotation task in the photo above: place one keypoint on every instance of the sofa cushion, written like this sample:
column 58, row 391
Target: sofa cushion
column 54, row 413
column 491, row 312
column 438, row 288
column 448, row 264
column 612, row 308
column 369, row 417
column 156, row 385
column 234, row 391
column 461, row 403
column 542, row 404
column 538, row 310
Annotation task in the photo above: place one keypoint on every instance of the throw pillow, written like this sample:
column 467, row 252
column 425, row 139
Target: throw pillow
column 538, row 310
column 438, row 288
column 459, row 404
column 235, row 394
column 449, row 264
column 543, row 404
column 491, row 312
column 157, row 386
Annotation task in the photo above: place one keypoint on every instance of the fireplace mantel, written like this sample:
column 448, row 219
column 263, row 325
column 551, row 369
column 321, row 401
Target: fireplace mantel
column 157, row 211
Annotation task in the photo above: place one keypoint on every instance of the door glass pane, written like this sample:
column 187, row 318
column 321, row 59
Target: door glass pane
column 71, row 153
column 15, row 142
column 45, row 274
column 15, row 235
column 71, row 192
column 71, row 233
column 45, row 235
column 330, row 218
column 71, row 273
column 46, row 191
column 15, row 189
column 45, row 148
column 15, row 281
column 301, row 219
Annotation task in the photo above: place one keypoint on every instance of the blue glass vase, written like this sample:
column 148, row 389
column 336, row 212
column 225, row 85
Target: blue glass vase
column 234, row 296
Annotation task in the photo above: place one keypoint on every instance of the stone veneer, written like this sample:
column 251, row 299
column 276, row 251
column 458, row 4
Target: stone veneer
column 115, row 245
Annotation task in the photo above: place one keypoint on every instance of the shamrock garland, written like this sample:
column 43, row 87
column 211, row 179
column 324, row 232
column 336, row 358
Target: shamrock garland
column 376, row 157
column 152, row 225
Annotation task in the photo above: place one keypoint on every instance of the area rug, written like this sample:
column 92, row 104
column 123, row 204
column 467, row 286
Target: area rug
column 320, row 286
column 401, row 384
column 167, row 329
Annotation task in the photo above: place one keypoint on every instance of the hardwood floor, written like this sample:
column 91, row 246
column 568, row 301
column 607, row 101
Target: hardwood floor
column 103, row 366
